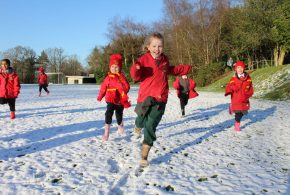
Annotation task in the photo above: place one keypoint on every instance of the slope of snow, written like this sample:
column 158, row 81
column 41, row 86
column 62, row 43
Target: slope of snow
column 264, row 86
column 54, row 147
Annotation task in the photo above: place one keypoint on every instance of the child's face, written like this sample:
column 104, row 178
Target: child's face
column 4, row 65
column 184, row 76
column 155, row 47
column 240, row 70
column 114, row 69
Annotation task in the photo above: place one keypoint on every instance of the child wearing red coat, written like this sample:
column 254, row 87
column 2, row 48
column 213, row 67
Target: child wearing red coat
column 185, row 90
column 152, row 70
column 115, row 88
column 241, row 89
column 9, row 86
column 42, row 81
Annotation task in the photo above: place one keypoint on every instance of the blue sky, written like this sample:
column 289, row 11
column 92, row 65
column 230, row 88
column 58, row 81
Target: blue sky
column 77, row 26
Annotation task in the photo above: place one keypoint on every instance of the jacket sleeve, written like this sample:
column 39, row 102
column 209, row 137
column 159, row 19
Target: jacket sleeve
column 179, row 70
column 16, row 86
column 249, row 90
column 192, row 84
column 124, row 83
column 103, row 88
column 45, row 78
column 228, row 90
column 135, row 73
column 176, row 84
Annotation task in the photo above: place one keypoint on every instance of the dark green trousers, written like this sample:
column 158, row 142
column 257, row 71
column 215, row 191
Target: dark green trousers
column 149, row 123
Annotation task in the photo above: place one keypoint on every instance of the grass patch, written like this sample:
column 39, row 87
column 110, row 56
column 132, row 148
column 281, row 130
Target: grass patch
column 258, row 76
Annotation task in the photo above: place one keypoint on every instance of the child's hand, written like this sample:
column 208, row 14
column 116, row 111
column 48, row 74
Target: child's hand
column 125, row 101
column 99, row 98
column 137, row 67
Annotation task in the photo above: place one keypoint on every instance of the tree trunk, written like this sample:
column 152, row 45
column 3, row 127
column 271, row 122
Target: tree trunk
column 279, row 54
column 276, row 54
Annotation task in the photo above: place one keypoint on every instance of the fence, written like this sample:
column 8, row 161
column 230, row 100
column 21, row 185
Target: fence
column 260, row 64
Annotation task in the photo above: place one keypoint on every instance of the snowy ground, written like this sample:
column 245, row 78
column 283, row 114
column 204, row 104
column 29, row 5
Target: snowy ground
column 54, row 147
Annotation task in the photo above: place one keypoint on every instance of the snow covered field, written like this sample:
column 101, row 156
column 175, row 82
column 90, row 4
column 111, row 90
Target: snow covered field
column 54, row 147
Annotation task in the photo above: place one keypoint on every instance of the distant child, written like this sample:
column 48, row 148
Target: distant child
column 152, row 70
column 9, row 86
column 241, row 89
column 42, row 81
column 115, row 87
column 185, row 90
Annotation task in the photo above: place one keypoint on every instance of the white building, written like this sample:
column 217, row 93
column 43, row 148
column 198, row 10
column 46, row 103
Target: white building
column 78, row 80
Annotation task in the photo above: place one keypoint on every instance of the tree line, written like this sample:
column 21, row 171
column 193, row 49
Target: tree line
column 204, row 33
column 26, row 62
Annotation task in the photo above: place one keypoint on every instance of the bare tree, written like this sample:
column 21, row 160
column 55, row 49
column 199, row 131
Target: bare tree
column 23, row 60
column 56, row 59
column 72, row 66
column 127, row 36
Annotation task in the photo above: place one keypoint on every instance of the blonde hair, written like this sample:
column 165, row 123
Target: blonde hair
column 148, row 39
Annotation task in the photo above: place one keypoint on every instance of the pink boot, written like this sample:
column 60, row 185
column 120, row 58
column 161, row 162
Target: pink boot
column 47, row 93
column 237, row 127
column 106, row 133
column 39, row 94
column 121, row 129
column 12, row 115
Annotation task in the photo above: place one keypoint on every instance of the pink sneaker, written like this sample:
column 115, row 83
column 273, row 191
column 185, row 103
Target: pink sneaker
column 121, row 129
column 237, row 127
column 106, row 133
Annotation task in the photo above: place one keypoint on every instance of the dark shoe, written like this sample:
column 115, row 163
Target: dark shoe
column 183, row 112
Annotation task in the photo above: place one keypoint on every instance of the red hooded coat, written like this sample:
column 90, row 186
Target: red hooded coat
column 115, row 87
column 42, row 78
column 240, row 89
column 192, row 85
column 9, row 84
column 153, row 76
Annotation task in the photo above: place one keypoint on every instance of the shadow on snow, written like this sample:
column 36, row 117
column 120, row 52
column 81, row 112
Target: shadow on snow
column 254, row 116
column 44, row 139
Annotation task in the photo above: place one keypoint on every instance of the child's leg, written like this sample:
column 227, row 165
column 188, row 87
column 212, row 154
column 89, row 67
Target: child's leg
column 45, row 89
column 3, row 101
column 151, row 122
column 183, row 102
column 109, row 113
column 40, row 88
column 139, row 121
column 238, row 116
column 119, row 117
column 119, row 113
column 139, row 124
column 186, row 99
column 11, row 103
column 108, row 120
